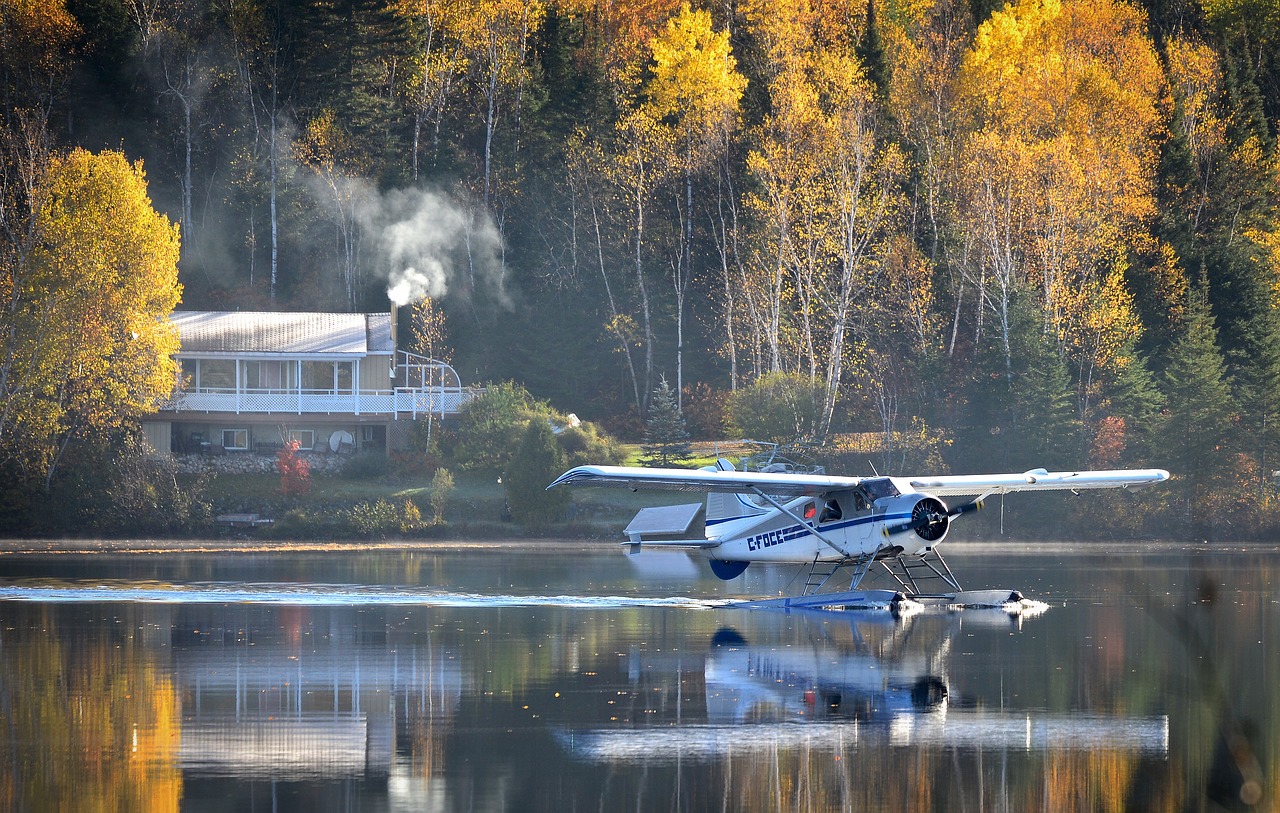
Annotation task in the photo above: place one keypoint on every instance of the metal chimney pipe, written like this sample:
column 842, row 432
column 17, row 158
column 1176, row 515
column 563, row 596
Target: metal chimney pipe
column 395, row 328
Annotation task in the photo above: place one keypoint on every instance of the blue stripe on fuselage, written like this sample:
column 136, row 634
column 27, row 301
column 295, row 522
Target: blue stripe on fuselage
column 793, row 532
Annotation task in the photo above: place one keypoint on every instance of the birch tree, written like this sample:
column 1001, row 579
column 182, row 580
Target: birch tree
column 496, row 36
column 697, row 88
column 1056, row 171
column 258, row 41
column 438, row 61
column 327, row 150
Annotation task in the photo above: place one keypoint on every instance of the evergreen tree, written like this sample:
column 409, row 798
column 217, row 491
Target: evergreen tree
column 871, row 54
column 1048, row 429
column 1196, row 427
column 1130, row 394
column 988, row 416
column 1242, row 201
column 666, row 440
column 537, row 461
column 1177, row 192
column 1258, row 392
column 1243, row 206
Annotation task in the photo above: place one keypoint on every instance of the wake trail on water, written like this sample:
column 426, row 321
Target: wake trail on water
column 318, row 595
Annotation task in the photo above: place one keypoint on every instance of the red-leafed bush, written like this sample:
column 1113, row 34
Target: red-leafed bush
column 295, row 471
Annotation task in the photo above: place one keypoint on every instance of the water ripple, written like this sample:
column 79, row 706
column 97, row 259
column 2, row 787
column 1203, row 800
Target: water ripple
column 132, row 591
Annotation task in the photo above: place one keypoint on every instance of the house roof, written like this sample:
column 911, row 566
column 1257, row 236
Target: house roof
column 292, row 333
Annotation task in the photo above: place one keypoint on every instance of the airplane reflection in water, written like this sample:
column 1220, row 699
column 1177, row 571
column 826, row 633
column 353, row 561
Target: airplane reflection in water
column 831, row 698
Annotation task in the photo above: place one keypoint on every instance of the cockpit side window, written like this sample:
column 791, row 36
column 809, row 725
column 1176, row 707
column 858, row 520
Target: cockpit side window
column 830, row 511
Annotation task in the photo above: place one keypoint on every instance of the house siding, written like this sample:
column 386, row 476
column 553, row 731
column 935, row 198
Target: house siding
column 241, row 413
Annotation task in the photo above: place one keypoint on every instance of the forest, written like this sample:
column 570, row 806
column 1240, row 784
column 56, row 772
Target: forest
column 995, row 237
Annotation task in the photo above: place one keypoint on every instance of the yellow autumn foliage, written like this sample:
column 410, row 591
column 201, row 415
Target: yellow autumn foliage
column 1064, row 101
column 88, row 345
column 695, row 76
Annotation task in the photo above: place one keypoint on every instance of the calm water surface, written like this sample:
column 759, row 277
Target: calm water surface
column 563, row 677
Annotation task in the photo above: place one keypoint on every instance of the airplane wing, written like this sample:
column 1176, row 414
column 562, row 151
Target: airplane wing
column 732, row 482
column 1036, row 480
column 799, row 485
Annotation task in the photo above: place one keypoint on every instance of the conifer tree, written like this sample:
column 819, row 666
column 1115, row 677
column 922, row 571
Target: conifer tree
column 1241, row 204
column 1196, row 427
column 1048, row 429
column 1258, row 392
column 537, row 461
column 871, row 53
column 666, row 438
column 1131, row 395
column 1233, row 246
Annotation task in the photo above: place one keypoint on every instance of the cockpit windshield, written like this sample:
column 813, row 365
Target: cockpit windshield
column 878, row 487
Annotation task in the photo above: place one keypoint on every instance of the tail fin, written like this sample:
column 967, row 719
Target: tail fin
column 721, row 507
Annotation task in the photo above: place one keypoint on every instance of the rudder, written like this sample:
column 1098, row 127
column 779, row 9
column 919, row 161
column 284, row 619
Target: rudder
column 721, row 507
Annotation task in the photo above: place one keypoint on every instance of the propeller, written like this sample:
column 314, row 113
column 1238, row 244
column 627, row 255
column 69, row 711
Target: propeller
column 927, row 515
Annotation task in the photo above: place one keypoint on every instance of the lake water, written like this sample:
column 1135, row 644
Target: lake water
column 558, row 676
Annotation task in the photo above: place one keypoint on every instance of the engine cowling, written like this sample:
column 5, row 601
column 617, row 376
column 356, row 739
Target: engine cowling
column 925, row 521
column 930, row 519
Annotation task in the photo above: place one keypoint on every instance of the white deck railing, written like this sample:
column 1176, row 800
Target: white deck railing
column 400, row 402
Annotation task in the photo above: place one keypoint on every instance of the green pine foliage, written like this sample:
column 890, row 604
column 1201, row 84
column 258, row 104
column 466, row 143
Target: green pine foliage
column 871, row 53
column 1048, row 427
column 536, row 462
column 666, row 439
column 1197, row 428
column 1132, row 402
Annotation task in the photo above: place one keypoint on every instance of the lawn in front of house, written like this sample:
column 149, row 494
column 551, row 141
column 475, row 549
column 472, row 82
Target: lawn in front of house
column 477, row 504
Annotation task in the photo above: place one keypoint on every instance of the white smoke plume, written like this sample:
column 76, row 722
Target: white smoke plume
column 428, row 244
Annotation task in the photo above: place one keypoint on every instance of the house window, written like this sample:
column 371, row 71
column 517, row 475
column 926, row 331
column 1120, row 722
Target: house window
column 216, row 374
column 235, row 440
column 342, row 376
column 326, row 376
column 306, row 438
column 270, row 375
column 317, row 376
column 188, row 372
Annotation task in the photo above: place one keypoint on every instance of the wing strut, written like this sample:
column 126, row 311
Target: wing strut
column 813, row 528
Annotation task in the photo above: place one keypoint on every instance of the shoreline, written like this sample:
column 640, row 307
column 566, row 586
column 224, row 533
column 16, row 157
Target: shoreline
column 21, row 547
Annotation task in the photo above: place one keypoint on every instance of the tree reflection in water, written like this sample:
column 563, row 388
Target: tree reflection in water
column 1144, row 687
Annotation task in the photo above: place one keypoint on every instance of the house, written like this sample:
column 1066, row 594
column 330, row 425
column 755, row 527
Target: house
column 334, row 382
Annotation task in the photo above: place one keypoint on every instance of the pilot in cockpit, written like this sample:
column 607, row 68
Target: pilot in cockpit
column 831, row 512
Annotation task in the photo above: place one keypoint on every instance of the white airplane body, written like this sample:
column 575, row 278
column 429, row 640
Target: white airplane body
column 825, row 522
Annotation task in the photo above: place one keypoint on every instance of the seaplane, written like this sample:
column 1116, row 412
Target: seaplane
column 831, row 525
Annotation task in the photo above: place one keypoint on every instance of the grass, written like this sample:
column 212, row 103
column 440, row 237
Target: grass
column 475, row 507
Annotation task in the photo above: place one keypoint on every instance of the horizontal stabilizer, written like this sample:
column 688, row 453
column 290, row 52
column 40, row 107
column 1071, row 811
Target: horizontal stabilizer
column 669, row 523
column 677, row 544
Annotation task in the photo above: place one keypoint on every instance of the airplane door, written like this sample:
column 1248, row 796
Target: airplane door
column 850, row 515
column 860, row 533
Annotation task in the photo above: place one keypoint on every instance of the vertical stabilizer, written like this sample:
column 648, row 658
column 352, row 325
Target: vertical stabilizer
column 721, row 507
